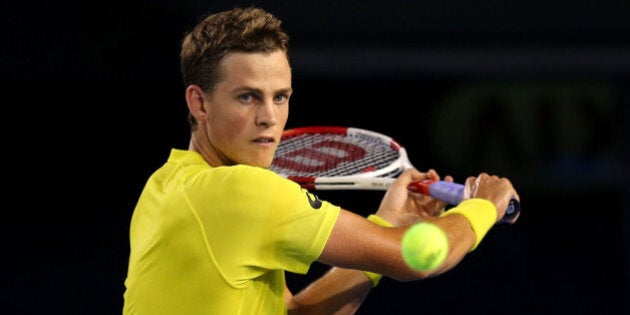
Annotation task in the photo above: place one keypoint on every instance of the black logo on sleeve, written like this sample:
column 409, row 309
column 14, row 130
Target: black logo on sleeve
column 314, row 200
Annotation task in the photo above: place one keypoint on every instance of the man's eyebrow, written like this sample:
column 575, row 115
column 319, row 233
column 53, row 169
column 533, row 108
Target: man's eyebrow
column 260, row 92
column 241, row 89
column 286, row 90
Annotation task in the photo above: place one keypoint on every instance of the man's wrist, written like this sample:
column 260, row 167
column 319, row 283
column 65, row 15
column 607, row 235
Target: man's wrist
column 378, row 220
column 375, row 277
column 480, row 213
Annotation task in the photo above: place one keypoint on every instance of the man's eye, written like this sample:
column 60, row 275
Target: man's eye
column 280, row 98
column 245, row 97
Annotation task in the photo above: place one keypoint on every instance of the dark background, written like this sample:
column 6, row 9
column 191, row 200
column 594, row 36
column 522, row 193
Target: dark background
column 536, row 91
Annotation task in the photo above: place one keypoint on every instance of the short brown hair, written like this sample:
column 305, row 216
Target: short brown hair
column 241, row 29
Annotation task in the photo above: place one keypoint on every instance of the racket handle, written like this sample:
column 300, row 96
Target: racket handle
column 453, row 193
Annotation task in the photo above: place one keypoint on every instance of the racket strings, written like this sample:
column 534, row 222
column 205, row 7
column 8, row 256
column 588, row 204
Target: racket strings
column 329, row 155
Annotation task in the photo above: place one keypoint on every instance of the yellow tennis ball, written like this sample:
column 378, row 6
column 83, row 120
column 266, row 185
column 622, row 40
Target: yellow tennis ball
column 424, row 246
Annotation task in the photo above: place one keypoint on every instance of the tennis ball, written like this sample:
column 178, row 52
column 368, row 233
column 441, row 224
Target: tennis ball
column 424, row 246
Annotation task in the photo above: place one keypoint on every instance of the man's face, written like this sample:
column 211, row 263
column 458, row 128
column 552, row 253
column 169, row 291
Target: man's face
column 249, row 107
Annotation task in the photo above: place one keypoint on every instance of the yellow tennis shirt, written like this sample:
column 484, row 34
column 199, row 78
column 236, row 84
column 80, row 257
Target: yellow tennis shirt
column 217, row 240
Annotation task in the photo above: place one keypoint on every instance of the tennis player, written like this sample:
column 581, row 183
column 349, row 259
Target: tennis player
column 214, row 230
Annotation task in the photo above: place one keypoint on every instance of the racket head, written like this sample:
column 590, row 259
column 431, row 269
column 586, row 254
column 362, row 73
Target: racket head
column 312, row 154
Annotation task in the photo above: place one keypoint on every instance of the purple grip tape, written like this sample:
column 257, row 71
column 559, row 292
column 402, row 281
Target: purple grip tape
column 450, row 193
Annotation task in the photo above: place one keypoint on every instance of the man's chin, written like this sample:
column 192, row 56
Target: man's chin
column 266, row 163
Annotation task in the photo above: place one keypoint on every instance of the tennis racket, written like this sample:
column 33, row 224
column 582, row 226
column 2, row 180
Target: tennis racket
column 346, row 158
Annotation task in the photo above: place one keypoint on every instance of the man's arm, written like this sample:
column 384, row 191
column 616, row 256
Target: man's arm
column 338, row 291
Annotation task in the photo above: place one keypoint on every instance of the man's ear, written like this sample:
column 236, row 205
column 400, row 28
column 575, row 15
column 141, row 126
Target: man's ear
column 195, row 101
